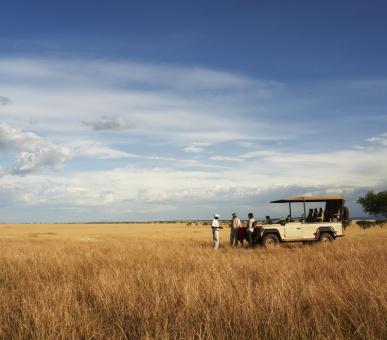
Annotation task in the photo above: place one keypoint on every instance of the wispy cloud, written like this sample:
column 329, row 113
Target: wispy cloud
column 112, row 123
column 196, row 147
column 201, row 137
column 224, row 158
column 99, row 150
column 246, row 144
column 359, row 147
column 160, row 101
column 381, row 139
column 374, row 139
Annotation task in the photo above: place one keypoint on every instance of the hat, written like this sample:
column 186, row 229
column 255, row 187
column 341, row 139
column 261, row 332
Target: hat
column 216, row 215
column 234, row 214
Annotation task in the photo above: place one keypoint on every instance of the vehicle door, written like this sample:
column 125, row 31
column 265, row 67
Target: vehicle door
column 293, row 230
column 309, row 230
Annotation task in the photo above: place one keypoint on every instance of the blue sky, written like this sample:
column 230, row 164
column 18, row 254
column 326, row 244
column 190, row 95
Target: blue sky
column 170, row 110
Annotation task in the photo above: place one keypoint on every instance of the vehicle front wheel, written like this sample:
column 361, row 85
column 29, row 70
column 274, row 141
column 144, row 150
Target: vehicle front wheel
column 326, row 238
column 270, row 240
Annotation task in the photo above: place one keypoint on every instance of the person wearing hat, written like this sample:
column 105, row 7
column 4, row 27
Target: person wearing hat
column 215, row 231
column 235, row 223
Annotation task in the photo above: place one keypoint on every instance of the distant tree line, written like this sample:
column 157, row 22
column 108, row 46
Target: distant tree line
column 368, row 224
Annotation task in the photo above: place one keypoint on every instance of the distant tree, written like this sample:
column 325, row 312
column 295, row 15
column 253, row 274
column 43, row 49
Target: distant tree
column 365, row 224
column 374, row 203
column 381, row 223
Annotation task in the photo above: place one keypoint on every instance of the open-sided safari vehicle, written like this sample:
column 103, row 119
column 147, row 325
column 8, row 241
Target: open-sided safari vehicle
column 322, row 224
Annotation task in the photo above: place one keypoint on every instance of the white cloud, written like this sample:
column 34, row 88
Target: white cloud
column 11, row 138
column 36, row 153
column 32, row 162
column 131, row 190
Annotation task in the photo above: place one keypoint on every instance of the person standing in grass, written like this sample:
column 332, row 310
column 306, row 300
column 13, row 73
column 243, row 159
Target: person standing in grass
column 215, row 230
column 235, row 224
column 250, row 229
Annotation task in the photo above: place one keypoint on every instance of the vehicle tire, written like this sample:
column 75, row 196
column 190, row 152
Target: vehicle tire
column 270, row 240
column 326, row 238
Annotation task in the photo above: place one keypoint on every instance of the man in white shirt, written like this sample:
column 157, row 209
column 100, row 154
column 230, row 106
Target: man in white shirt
column 235, row 223
column 215, row 231
column 250, row 229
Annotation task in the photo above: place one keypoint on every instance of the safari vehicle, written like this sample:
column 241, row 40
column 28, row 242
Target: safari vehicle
column 319, row 225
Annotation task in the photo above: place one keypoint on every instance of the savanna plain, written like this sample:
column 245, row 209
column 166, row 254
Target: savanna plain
column 164, row 281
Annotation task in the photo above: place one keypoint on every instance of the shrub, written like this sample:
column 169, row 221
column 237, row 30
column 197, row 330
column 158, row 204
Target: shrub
column 381, row 223
column 365, row 224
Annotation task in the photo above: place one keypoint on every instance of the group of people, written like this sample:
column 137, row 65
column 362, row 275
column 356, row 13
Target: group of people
column 236, row 229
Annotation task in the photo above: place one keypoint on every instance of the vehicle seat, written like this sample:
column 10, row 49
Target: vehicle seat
column 310, row 216
column 315, row 214
column 320, row 215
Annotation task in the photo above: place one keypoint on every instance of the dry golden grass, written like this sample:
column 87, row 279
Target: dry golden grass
column 164, row 281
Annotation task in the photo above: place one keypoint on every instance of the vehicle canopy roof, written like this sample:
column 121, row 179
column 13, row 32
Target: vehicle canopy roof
column 311, row 199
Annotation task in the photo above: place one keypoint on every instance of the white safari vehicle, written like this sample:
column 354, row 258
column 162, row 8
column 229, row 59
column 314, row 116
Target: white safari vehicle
column 322, row 222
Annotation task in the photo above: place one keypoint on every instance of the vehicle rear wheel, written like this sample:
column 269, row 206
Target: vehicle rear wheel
column 270, row 240
column 326, row 238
